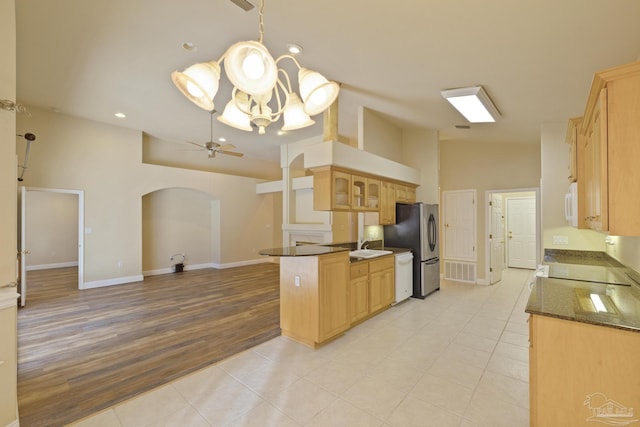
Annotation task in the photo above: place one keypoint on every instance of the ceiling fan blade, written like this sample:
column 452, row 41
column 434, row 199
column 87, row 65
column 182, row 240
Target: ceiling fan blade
column 226, row 147
column 231, row 153
column 196, row 144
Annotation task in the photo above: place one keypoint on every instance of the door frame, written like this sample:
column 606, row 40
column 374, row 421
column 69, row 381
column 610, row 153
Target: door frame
column 80, row 194
column 487, row 218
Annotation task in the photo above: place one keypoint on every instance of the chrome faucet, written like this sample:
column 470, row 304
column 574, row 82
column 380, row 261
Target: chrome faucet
column 365, row 245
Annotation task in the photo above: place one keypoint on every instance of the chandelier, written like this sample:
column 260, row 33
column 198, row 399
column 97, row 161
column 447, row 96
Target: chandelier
column 258, row 85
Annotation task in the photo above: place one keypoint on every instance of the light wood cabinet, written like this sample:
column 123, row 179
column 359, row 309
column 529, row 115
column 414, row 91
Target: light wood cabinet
column 314, row 297
column 612, row 152
column 331, row 190
column 387, row 203
column 365, row 193
column 373, row 194
column 359, row 291
column 595, row 167
column 405, row 193
column 572, row 140
column 372, row 287
column 340, row 190
column 381, row 283
column 579, row 369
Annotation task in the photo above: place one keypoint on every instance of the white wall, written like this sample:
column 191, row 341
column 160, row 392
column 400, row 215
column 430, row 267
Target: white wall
column 379, row 136
column 52, row 229
column 105, row 162
column 483, row 167
column 421, row 150
column 553, row 187
column 176, row 221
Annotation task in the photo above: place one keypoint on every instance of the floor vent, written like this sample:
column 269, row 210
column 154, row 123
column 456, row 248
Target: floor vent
column 460, row 271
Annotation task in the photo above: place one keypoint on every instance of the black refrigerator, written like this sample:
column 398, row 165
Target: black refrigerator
column 416, row 228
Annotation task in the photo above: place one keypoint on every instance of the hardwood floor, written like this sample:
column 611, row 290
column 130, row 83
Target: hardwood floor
column 82, row 351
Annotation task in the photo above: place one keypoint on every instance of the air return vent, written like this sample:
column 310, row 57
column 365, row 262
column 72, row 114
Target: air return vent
column 460, row 271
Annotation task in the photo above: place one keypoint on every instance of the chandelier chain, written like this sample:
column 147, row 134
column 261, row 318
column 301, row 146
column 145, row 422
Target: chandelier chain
column 261, row 13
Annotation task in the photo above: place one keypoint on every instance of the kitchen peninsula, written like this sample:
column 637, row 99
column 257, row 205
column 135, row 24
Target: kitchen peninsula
column 584, row 354
column 324, row 291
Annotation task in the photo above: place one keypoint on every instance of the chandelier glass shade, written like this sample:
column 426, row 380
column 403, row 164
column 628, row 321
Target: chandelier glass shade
column 262, row 91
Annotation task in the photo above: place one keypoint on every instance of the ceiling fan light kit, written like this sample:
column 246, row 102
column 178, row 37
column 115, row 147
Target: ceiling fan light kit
column 257, row 81
column 473, row 103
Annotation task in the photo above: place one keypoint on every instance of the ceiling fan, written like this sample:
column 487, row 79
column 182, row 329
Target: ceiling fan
column 213, row 147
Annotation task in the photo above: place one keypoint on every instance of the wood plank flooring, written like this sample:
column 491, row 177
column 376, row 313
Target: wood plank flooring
column 82, row 351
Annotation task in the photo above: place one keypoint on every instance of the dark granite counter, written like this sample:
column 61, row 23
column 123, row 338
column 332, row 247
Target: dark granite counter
column 304, row 250
column 580, row 257
column 589, row 287
column 589, row 302
column 322, row 249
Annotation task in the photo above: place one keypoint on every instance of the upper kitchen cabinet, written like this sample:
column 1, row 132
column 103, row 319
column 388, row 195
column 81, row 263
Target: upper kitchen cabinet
column 331, row 190
column 405, row 193
column 365, row 193
column 573, row 135
column 387, row 203
column 611, row 130
column 337, row 189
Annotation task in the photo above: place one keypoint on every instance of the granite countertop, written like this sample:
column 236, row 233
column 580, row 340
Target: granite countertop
column 589, row 287
column 580, row 257
column 576, row 300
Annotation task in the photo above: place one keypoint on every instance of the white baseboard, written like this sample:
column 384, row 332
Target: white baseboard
column 53, row 265
column 242, row 263
column 483, row 282
column 15, row 423
column 189, row 267
column 112, row 282
column 168, row 270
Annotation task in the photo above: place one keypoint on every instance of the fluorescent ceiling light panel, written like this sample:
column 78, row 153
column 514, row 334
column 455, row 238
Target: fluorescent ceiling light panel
column 473, row 103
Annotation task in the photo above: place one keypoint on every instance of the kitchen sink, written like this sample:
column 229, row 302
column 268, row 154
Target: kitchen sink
column 368, row 253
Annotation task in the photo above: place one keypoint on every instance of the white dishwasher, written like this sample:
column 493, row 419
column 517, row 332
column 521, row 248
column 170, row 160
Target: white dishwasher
column 404, row 276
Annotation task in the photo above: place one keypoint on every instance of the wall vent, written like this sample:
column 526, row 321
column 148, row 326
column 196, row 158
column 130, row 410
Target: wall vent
column 460, row 271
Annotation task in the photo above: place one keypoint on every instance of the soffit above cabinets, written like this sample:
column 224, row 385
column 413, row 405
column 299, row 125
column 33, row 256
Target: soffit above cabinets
column 337, row 154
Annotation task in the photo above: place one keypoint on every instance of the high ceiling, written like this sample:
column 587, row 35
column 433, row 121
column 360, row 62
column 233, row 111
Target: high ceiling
column 536, row 60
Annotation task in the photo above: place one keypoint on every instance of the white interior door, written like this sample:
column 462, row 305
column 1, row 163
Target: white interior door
column 459, row 235
column 521, row 228
column 496, row 238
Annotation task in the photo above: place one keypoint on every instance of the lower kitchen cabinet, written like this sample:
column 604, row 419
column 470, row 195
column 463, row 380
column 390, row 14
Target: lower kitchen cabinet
column 381, row 283
column 359, row 291
column 322, row 296
column 314, row 297
column 582, row 373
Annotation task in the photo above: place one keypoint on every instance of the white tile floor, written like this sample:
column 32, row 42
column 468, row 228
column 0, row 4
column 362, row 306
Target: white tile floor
column 457, row 358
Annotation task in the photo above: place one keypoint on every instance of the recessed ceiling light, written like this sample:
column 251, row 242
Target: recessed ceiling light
column 294, row 49
column 120, row 115
column 282, row 132
column 222, row 139
column 190, row 47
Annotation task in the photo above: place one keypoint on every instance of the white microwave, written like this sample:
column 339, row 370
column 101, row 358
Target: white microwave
column 571, row 205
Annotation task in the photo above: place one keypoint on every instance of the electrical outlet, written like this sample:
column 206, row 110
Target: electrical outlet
column 560, row 240
column 297, row 281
